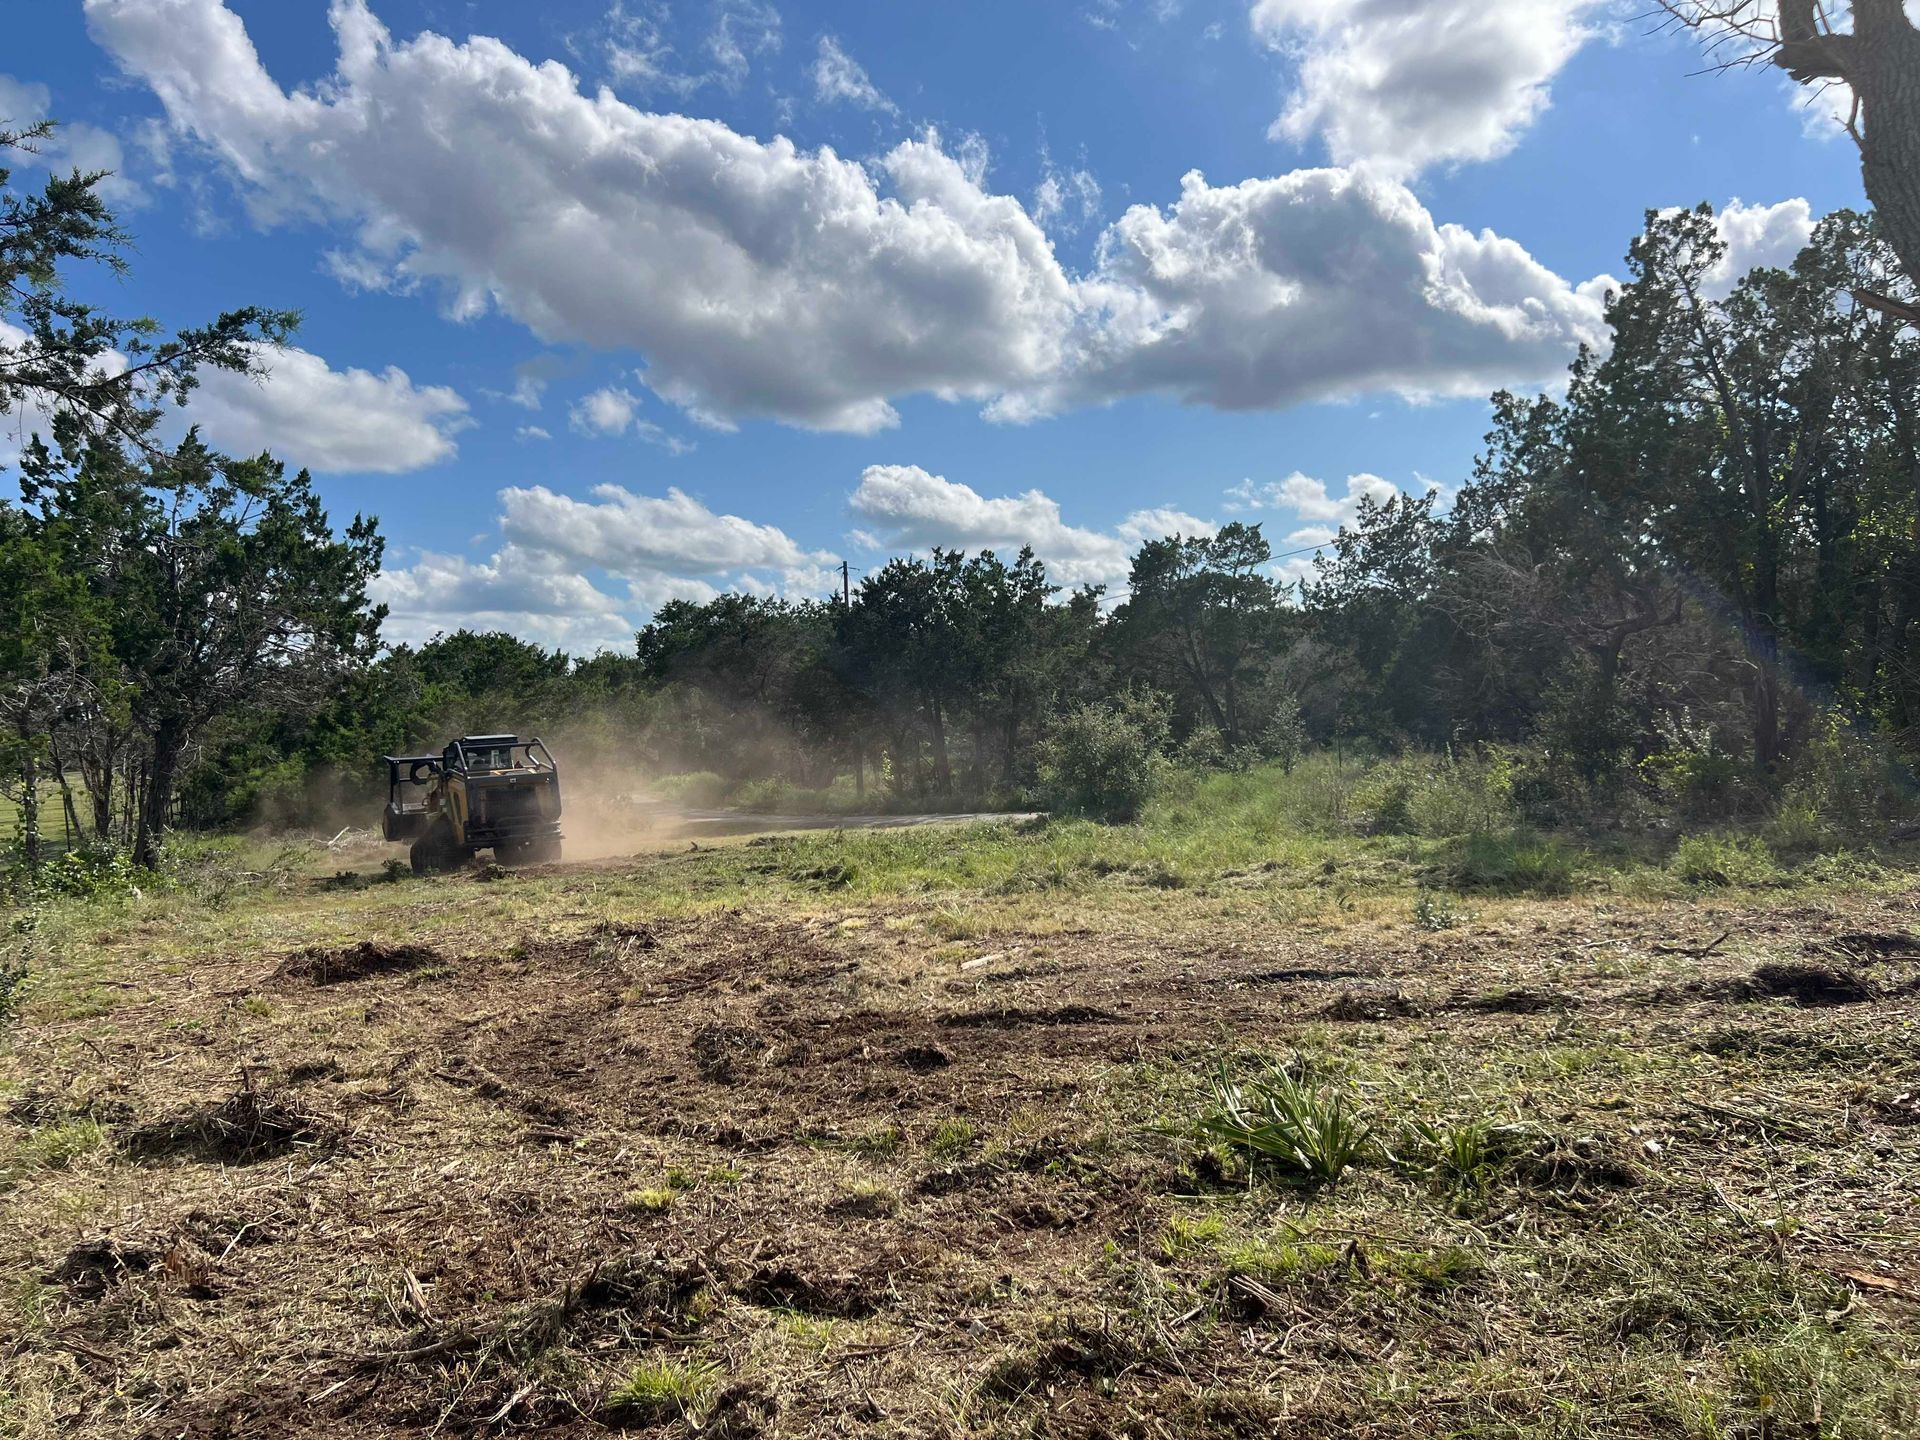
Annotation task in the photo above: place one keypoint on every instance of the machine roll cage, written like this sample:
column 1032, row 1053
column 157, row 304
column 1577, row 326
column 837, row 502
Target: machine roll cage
column 537, row 756
column 421, row 770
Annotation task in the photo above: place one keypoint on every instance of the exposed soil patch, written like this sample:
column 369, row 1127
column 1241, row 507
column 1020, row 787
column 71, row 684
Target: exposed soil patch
column 1380, row 1004
column 248, row 1126
column 1901, row 1107
column 337, row 966
column 844, row 1295
column 922, row 1058
column 1805, row 984
column 1520, row 1000
column 1014, row 1017
column 1858, row 945
column 92, row 1267
column 722, row 1053
column 1587, row 1161
column 1292, row 975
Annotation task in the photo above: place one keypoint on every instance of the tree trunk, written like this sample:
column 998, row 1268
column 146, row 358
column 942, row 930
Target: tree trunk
column 97, row 774
column 66, row 787
column 157, row 798
column 30, row 806
column 1880, row 61
column 1764, row 699
column 942, row 767
column 1884, row 70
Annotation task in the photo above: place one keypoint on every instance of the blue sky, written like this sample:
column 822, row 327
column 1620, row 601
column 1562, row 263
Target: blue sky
column 606, row 304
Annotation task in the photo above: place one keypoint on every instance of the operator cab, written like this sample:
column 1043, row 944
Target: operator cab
column 409, row 784
column 488, row 754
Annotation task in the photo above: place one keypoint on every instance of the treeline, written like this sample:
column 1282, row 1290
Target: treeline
column 1691, row 580
column 1679, row 576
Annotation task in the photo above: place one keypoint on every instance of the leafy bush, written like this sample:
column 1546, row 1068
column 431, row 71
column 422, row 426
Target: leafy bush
column 1698, row 777
column 1104, row 760
column 1284, row 737
column 1725, row 860
column 1464, row 795
column 86, row 872
column 698, row 788
column 1383, row 802
column 770, row 796
column 1843, row 784
column 1516, row 860
column 1202, row 750
column 1439, row 795
column 1309, row 1133
column 1434, row 911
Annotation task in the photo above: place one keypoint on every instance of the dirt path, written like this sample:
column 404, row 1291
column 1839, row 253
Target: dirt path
column 679, row 821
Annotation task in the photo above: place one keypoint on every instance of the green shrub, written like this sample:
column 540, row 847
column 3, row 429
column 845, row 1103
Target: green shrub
column 86, row 872
column 1434, row 911
column 1843, row 784
column 1795, row 828
column 1464, row 795
column 1104, row 761
column 1308, row 1133
column 1284, row 737
column 698, row 788
column 1698, row 778
column 1516, row 860
column 659, row 1389
column 1724, row 860
column 1383, row 801
column 771, row 796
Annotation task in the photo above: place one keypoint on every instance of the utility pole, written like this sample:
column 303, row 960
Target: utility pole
column 846, row 586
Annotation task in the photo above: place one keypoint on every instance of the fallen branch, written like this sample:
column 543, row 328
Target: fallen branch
column 1695, row 952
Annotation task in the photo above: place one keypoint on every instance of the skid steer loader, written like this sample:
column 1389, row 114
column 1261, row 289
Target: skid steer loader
column 483, row 792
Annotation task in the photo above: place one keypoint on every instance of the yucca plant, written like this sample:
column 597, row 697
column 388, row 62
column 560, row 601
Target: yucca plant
column 1310, row 1133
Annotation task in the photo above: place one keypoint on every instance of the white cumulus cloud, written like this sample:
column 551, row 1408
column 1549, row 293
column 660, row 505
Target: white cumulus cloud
column 614, row 410
column 510, row 591
column 904, row 506
column 1760, row 235
column 759, row 279
column 1404, row 84
column 607, row 411
column 299, row 407
column 318, row 418
column 1317, row 285
column 1309, row 498
column 540, row 583
column 637, row 536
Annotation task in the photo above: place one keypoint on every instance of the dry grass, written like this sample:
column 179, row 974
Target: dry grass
column 624, row 1147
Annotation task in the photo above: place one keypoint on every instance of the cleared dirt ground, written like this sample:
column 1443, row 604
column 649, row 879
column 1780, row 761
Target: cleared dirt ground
column 833, row 1171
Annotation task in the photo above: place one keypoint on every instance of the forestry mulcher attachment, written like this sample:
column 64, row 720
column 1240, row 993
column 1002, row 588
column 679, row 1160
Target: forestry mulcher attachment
column 483, row 792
